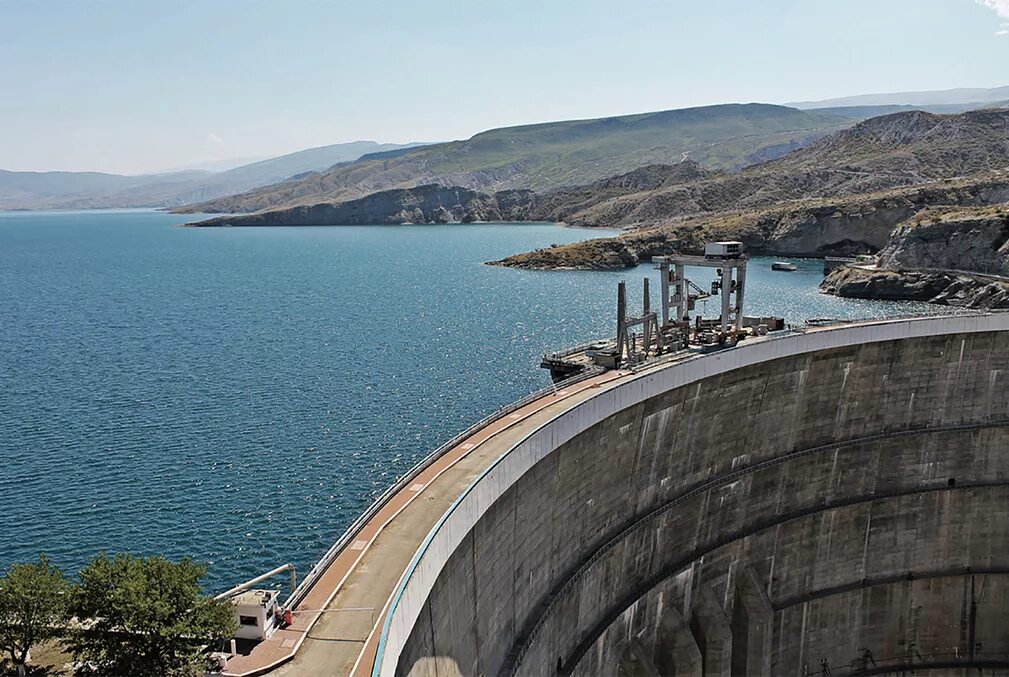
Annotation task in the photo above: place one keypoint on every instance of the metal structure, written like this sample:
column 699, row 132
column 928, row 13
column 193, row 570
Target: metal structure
column 242, row 587
column 677, row 300
column 671, row 328
column 632, row 348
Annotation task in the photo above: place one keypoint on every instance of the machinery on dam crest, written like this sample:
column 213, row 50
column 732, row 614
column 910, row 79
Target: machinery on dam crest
column 650, row 334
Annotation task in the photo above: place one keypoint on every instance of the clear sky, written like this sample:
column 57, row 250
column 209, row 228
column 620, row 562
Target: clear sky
column 140, row 85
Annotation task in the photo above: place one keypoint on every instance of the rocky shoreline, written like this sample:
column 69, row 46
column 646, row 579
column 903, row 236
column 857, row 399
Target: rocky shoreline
column 945, row 288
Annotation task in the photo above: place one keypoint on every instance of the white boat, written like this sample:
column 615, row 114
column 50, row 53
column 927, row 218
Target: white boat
column 783, row 265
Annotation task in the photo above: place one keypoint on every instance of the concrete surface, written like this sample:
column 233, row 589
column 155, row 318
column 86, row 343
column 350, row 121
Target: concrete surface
column 832, row 501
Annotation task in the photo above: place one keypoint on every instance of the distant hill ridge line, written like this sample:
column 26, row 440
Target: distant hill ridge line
column 548, row 155
column 959, row 95
column 539, row 156
column 83, row 190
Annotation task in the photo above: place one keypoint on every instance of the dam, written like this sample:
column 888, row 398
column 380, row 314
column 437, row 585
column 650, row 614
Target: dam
column 823, row 500
column 828, row 502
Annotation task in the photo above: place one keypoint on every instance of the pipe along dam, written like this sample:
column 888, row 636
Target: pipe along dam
column 721, row 499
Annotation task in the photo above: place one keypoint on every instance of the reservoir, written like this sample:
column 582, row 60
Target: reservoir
column 241, row 394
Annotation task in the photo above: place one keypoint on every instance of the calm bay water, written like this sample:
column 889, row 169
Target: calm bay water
column 240, row 395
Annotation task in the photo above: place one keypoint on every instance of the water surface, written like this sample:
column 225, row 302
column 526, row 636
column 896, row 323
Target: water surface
column 240, row 395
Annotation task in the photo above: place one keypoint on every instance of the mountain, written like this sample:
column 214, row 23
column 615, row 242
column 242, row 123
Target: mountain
column 926, row 98
column 212, row 165
column 21, row 189
column 433, row 203
column 901, row 149
column 842, row 194
column 892, row 151
column 555, row 154
column 311, row 160
column 865, row 112
column 430, row 203
column 914, row 145
column 89, row 190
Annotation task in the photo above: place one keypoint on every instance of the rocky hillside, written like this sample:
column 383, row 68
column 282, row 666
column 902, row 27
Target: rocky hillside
column 423, row 204
column 817, row 227
column 975, row 240
column 551, row 155
column 950, row 256
column 902, row 149
column 913, row 144
column 434, row 203
column 842, row 195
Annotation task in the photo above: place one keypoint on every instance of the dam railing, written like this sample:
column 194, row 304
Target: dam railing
column 355, row 527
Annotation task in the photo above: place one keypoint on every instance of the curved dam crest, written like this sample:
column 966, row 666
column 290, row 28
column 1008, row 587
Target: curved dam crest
column 727, row 513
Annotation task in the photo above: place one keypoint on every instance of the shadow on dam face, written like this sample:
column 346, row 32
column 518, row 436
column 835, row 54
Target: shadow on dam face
column 830, row 503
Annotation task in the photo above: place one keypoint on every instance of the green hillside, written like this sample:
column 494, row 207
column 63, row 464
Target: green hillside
column 549, row 155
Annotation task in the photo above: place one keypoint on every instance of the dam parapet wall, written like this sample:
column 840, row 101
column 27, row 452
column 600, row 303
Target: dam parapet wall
column 731, row 512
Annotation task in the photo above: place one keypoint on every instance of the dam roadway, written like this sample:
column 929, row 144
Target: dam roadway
column 829, row 499
column 336, row 623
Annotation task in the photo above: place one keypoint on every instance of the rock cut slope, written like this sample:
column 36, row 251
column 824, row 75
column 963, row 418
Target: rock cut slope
column 949, row 256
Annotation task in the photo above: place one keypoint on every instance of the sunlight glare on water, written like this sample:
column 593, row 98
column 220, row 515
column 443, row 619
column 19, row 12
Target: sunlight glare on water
column 240, row 395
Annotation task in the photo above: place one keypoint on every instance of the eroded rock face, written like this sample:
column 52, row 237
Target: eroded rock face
column 956, row 256
column 842, row 227
column 839, row 231
column 957, row 242
column 940, row 287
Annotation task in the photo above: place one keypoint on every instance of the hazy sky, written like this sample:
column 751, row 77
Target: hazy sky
column 139, row 85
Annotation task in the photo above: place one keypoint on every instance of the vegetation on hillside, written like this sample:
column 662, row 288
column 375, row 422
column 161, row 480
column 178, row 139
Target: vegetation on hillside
column 843, row 194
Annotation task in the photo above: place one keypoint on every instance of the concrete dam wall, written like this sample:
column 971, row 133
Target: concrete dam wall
column 834, row 501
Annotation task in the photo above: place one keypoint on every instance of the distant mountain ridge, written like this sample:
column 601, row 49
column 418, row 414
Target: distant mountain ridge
column 902, row 149
column 866, row 112
column 550, row 155
column 88, row 190
column 961, row 95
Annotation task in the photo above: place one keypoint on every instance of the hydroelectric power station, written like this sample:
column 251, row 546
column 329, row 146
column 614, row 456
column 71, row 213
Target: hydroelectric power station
column 694, row 496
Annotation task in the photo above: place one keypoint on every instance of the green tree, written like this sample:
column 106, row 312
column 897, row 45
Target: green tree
column 145, row 616
column 33, row 604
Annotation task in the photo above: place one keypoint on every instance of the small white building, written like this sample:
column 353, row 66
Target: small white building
column 256, row 613
column 723, row 250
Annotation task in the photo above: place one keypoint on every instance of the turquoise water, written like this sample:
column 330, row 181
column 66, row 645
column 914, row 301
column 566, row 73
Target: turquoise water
column 239, row 395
